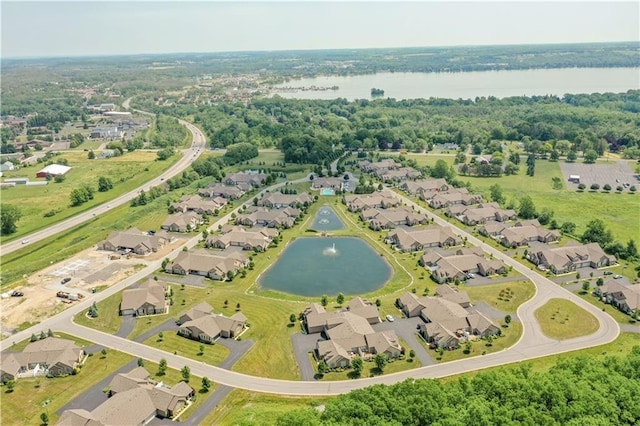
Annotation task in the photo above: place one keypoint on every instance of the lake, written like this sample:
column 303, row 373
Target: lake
column 313, row 266
column 467, row 85
column 327, row 220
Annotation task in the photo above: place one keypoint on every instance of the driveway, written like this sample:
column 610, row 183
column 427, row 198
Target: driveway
column 302, row 345
column 407, row 329
column 479, row 281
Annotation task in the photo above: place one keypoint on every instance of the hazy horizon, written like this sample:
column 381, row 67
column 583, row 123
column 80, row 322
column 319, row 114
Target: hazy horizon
column 51, row 29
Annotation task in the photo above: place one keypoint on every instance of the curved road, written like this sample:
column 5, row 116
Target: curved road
column 533, row 343
column 188, row 156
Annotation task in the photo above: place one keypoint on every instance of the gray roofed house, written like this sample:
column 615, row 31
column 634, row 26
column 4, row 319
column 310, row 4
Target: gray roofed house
column 215, row 265
column 253, row 179
column 561, row 260
column 182, row 222
column 200, row 310
column 621, row 295
column 247, row 239
column 420, row 239
column 456, row 266
column 454, row 196
column 229, row 192
column 425, row 185
column 52, row 355
column 523, row 234
column 148, row 299
column 208, row 327
column 278, row 218
column 135, row 241
column 356, row 203
column 134, row 399
column 277, row 200
column 198, row 204
column 390, row 218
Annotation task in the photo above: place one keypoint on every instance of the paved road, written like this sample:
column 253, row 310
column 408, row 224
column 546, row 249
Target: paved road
column 533, row 343
column 188, row 156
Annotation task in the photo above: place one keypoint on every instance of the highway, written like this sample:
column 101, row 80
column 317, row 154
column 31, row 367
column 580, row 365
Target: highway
column 188, row 156
column 533, row 343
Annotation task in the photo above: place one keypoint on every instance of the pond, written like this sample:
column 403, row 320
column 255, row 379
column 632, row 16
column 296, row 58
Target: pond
column 327, row 220
column 313, row 266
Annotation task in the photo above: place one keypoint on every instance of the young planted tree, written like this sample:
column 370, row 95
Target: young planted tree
column 206, row 384
column 381, row 361
column 340, row 299
column 186, row 373
column 507, row 319
column 162, row 367
column 323, row 368
column 357, row 365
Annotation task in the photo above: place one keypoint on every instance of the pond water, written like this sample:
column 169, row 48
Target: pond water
column 327, row 220
column 466, row 85
column 313, row 266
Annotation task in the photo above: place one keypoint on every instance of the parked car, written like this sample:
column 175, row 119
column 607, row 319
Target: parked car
column 25, row 241
column 617, row 277
column 608, row 272
column 17, row 293
column 65, row 280
column 390, row 318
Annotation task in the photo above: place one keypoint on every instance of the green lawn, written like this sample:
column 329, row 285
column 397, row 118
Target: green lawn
column 108, row 319
column 126, row 173
column 171, row 342
column 617, row 314
column 561, row 319
column 505, row 297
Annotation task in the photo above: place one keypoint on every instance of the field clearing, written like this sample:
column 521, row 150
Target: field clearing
column 108, row 320
column 171, row 342
column 505, row 297
column 561, row 319
column 126, row 173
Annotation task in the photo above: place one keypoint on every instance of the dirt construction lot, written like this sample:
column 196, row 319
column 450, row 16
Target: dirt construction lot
column 87, row 270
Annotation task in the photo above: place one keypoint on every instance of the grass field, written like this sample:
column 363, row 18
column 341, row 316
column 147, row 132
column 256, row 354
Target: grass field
column 126, row 173
column 561, row 319
column 108, row 319
column 505, row 297
column 618, row 315
column 171, row 342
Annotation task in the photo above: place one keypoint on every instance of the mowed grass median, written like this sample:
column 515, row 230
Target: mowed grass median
column 561, row 319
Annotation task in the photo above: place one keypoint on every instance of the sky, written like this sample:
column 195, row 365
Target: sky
column 81, row 28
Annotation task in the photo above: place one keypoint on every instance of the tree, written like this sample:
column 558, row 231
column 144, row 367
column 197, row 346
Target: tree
column 103, row 352
column 43, row 335
column 49, row 333
column 230, row 275
column 10, row 384
column 467, row 348
column 595, row 186
column 590, row 156
column 607, row 187
column 44, row 418
column 140, row 362
column 600, row 282
column 572, row 156
column 596, row 232
column 162, row 367
column 201, row 350
column 632, row 250
column 104, row 184
column 323, row 368
column 292, row 318
column 507, row 319
column 378, row 302
column 496, row 193
column 586, row 286
column 527, row 209
column 381, row 361
column 412, row 354
column 440, row 169
column 9, row 217
column 340, row 299
column 186, row 373
column 531, row 164
column 160, row 336
column 324, row 301
column 91, row 155
column 568, row 228
column 206, row 384
column 357, row 366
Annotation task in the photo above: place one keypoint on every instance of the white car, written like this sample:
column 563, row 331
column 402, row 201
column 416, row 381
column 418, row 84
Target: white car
column 390, row 318
column 25, row 241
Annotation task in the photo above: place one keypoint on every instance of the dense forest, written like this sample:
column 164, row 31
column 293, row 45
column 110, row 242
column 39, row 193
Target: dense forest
column 311, row 130
column 579, row 391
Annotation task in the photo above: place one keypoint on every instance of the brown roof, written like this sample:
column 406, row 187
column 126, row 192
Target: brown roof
column 151, row 292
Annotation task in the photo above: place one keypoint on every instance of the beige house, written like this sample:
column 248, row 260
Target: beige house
column 277, row 200
column 200, row 323
column 419, row 239
column 239, row 237
column 198, row 204
column 263, row 216
column 623, row 296
column 148, row 299
column 447, row 322
column 253, row 179
column 135, row 241
column 418, row 187
column 228, row 192
column 390, row 218
column 456, row 266
column 182, row 222
column 561, row 260
column 214, row 265
column 50, row 356
column 453, row 196
column 134, row 399
column 346, row 334
column 356, row 203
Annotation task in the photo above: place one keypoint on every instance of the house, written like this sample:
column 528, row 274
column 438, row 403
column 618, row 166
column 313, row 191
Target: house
column 521, row 234
column 200, row 323
column 623, row 296
column 356, row 203
column 398, row 175
column 53, row 170
column 253, row 179
column 348, row 333
column 148, row 299
column 447, row 322
column 229, row 192
column 134, row 240
column 50, row 356
column 453, row 196
column 134, row 399
column 278, row 218
column 7, row 166
column 214, row 265
column 561, row 260
column 328, row 182
column 456, row 266
column 182, row 222
column 420, row 239
column 199, row 205
column 483, row 213
column 390, row 218
column 278, row 200
column 239, row 237
column 417, row 187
